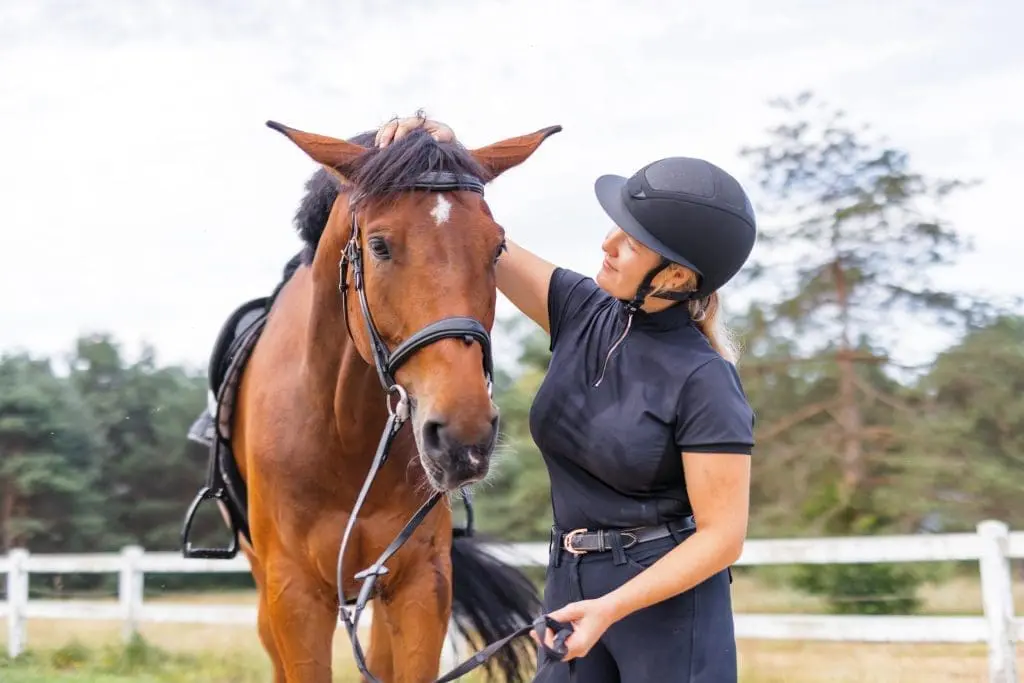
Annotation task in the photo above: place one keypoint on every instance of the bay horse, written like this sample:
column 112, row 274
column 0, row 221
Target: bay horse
column 373, row 360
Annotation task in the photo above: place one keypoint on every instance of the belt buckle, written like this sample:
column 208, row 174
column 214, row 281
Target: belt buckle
column 567, row 541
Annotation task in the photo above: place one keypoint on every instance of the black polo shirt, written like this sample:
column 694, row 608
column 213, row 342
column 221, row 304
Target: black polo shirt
column 613, row 444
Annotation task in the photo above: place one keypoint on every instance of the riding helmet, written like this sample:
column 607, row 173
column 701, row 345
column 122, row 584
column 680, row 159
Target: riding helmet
column 690, row 212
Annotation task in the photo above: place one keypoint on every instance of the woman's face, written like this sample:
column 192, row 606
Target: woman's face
column 626, row 263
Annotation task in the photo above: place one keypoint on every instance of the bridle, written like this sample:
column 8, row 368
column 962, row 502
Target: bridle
column 387, row 364
column 469, row 329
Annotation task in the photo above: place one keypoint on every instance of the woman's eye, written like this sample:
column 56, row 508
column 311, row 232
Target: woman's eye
column 379, row 247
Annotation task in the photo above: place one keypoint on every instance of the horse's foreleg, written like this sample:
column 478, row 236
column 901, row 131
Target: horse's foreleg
column 269, row 644
column 263, row 615
column 417, row 609
column 379, row 655
column 302, row 618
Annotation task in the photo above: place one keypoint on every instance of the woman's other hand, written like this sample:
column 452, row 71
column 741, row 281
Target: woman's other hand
column 589, row 619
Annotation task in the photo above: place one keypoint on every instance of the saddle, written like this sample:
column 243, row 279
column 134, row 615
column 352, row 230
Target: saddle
column 212, row 429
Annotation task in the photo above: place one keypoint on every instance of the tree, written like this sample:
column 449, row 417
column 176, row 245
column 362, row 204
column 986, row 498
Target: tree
column 858, row 241
column 47, row 495
column 963, row 460
column 146, row 464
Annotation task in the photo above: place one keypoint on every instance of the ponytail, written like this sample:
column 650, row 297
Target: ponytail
column 707, row 314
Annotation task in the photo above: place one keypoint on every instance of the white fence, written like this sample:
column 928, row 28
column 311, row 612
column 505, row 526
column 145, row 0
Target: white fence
column 992, row 547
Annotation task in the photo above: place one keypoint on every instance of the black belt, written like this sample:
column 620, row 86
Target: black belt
column 583, row 541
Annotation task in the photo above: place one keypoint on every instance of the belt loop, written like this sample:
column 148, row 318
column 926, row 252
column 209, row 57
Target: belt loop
column 618, row 554
column 677, row 534
column 556, row 548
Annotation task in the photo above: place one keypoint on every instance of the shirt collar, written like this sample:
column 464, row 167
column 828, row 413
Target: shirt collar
column 674, row 317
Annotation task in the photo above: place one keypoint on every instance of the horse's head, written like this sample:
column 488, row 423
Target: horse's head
column 418, row 248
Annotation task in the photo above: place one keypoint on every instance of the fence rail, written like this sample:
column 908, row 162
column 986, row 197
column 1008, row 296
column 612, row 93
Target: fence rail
column 993, row 546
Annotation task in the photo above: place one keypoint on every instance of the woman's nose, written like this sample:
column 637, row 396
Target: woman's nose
column 609, row 245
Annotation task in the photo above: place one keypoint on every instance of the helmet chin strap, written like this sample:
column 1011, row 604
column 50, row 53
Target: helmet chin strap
column 646, row 287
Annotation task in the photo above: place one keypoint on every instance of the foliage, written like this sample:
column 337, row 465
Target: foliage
column 856, row 239
column 46, row 474
column 863, row 588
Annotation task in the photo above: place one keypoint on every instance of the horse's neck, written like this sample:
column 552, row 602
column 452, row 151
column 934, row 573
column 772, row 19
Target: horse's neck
column 338, row 378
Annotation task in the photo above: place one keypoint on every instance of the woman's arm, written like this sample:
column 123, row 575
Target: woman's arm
column 524, row 278
column 719, row 490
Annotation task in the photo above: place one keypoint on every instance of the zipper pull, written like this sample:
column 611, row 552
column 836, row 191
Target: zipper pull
column 604, row 367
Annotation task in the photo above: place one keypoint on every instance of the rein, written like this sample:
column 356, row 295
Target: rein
column 387, row 364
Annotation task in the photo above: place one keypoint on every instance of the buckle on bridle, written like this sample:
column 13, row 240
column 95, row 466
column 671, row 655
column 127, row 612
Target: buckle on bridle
column 567, row 541
column 400, row 411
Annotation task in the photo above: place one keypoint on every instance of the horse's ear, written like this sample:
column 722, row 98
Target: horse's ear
column 336, row 155
column 501, row 156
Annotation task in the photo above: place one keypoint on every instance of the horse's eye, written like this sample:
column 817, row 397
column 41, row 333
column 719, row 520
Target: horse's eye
column 502, row 248
column 379, row 247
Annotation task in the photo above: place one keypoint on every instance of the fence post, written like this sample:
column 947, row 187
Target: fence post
column 997, row 601
column 17, row 601
column 129, row 590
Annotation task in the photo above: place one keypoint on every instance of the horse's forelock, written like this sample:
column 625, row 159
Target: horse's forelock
column 382, row 172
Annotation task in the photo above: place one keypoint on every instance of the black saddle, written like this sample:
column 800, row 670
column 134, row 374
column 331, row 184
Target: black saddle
column 212, row 429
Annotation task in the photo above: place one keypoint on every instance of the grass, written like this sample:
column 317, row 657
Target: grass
column 91, row 652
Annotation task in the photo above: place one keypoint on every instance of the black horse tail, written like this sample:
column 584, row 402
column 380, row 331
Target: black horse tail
column 491, row 600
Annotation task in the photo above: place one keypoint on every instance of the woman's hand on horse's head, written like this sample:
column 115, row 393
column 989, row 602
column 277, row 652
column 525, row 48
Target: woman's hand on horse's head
column 396, row 129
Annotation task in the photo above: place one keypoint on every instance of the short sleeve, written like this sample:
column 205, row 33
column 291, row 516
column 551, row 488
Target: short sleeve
column 571, row 298
column 713, row 414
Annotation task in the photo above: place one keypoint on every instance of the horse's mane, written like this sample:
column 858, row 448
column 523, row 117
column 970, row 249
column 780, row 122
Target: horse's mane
column 378, row 173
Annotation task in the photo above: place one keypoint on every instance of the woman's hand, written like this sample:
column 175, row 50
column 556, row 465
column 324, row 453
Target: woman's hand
column 396, row 129
column 589, row 619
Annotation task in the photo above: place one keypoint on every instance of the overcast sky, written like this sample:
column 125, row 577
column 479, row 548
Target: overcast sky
column 141, row 193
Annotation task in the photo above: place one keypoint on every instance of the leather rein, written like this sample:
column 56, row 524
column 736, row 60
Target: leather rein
column 387, row 364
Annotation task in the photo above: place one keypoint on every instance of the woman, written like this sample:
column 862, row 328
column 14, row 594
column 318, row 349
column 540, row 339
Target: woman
column 643, row 425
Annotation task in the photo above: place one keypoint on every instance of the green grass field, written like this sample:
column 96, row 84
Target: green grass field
column 91, row 652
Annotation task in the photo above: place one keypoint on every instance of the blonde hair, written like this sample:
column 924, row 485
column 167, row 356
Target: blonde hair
column 706, row 312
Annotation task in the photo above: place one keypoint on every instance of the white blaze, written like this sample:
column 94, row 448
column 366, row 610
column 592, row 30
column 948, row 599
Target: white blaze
column 441, row 210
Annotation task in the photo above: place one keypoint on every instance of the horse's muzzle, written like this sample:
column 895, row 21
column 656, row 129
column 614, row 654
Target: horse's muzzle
column 458, row 455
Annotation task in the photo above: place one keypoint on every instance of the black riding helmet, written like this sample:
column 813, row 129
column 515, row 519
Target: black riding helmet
column 691, row 213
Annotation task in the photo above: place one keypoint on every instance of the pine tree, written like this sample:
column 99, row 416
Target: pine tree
column 853, row 238
column 48, row 498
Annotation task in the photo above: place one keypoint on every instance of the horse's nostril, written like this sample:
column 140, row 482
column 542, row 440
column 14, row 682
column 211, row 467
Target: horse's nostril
column 432, row 434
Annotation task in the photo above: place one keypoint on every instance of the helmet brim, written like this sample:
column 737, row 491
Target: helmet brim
column 609, row 190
